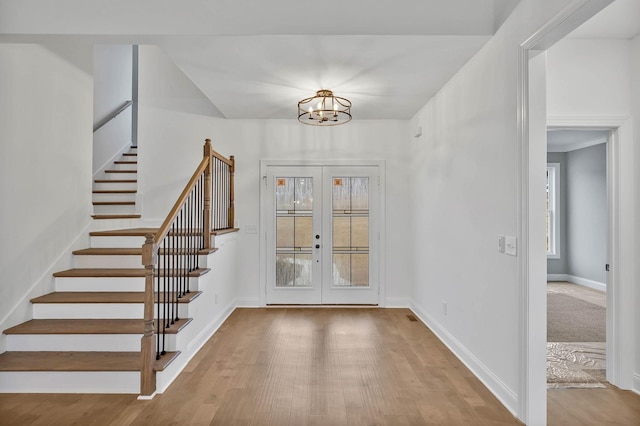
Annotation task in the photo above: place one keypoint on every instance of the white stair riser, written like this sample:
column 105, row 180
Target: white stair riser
column 121, row 261
column 123, row 166
column 70, row 382
column 114, row 209
column 97, row 310
column 108, row 284
column 114, row 186
column 81, row 342
column 104, row 261
column 117, row 242
column 129, row 174
column 107, row 224
column 127, row 196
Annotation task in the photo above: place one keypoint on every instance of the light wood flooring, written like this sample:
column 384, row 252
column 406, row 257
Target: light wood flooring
column 288, row 366
column 609, row 406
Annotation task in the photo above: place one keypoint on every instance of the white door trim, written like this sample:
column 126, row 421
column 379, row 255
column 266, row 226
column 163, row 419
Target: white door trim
column 532, row 392
column 382, row 268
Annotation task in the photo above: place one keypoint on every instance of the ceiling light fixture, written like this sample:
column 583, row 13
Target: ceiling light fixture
column 324, row 109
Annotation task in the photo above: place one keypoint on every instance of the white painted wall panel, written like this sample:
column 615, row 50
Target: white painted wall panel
column 45, row 167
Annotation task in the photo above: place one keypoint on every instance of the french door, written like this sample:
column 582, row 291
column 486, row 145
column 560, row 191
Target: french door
column 322, row 234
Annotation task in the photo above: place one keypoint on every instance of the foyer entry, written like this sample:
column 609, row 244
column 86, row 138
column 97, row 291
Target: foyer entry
column 322, row 234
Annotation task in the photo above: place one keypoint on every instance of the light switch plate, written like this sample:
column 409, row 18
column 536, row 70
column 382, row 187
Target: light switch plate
column 500, row 243
column 252, row 229
column 511, row 245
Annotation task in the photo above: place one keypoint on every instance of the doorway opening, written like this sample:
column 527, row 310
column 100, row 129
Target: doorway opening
column 577, row 236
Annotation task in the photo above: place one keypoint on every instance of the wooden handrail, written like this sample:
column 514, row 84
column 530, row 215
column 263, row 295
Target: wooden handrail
column 177, row 243
column 164, row 228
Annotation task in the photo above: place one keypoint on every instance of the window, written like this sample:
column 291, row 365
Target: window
column 553, row 214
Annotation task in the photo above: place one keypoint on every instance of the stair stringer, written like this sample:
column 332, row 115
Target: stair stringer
column 209, row 310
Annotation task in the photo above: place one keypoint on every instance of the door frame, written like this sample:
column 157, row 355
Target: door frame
column 381, row 164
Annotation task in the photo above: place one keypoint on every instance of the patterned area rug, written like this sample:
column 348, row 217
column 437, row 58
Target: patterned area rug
column 576, row 365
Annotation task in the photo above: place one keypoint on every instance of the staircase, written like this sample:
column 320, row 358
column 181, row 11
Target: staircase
column 114, row 194
column 87, row 335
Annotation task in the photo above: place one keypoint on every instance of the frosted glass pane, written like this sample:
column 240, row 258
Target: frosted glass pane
column 284, row 232
column 284, row 193
column 303, row 194
column 360, row 193
column 341, row 232
column 341, row 270
column 360, row 232
column 304, row 231
column 341, row 193
column 360, row 270
column 293, row 270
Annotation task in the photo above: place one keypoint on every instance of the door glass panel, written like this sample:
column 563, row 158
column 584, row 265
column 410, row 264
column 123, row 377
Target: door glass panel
column 294, row 229
column 350, row 203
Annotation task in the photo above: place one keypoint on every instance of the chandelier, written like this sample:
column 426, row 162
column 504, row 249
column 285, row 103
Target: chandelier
column 324, row 109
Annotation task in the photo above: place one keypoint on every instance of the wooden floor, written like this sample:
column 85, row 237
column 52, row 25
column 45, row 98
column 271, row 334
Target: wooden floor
column 317, row 366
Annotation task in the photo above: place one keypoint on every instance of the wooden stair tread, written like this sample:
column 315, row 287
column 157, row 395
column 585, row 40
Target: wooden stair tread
column 132, row 232
column 132, row 251
column 114, row 203
column 107, row 297
column 116, row 180
column 225, row 231
column 115, row 191
column 121, row 171
column 88, row 326
column 116, row 216
column 78, row 361
column 120, row 272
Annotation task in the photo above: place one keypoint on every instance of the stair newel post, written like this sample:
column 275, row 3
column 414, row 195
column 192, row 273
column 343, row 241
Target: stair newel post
column 232, row 185
column 148, row 347
column 206, row 232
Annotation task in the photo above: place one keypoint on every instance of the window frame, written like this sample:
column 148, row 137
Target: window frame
column 553, row 210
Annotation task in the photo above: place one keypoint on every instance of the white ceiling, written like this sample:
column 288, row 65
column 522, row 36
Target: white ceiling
column 565, row 140
column 389, row 60
column 257, row 58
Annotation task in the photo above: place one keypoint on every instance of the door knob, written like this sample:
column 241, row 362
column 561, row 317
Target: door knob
column 317, row 237
column 317, row 245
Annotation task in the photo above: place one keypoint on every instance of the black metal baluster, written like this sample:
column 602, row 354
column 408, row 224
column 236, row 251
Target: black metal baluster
column 157, row 327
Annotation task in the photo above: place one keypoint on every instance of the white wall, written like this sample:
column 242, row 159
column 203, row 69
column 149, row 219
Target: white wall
column 112, row 82
column 174, row 119
column 254, row 140
column 590, row 82
column 589, row 78
column 466, row 169
column 45, row 168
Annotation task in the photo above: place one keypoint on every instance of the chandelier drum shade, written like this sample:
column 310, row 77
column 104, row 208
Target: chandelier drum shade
column 324, row 109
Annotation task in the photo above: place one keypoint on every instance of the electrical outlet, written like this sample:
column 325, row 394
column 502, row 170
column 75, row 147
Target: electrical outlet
column 251, row 229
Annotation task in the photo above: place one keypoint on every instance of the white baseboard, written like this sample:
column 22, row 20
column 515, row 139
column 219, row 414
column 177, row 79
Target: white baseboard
column 500, row 390
column 247, row 302
column 397, row 302
column 636, row 383
column 578, row 280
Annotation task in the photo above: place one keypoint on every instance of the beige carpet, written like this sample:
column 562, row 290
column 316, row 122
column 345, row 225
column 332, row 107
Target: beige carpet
column 576, row 327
